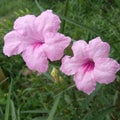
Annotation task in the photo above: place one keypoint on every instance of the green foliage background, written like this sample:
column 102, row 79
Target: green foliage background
column 27, row 95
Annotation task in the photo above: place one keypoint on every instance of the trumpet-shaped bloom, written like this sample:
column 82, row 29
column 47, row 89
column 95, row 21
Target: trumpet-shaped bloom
column 90, row 64
column 37, row 39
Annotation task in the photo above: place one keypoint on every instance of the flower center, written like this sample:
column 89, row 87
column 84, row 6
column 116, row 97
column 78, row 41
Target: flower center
column 88, row 65
column 37, row 44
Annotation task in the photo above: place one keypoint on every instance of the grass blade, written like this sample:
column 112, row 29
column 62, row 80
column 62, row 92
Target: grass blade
column 3, row 81
column 38, row 5
column 18, row 114
column 7, row 110
column 13, row 110
column 65, row 14
column 68, row 88
column 53, row 110
column 35, row 111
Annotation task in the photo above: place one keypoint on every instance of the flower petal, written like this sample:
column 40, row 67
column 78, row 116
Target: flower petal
column 85, row 82
column 47, row 22
column 69, row 65
column 97, row 48
column 22, row 22
column 79, row 48
column 105, row 70
column 25, row 26
column 35, row 58
column 54, row 45
column 13, row 44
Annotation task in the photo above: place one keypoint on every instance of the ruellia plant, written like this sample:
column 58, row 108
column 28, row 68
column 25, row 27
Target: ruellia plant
column 37, row 39
column 46, row 59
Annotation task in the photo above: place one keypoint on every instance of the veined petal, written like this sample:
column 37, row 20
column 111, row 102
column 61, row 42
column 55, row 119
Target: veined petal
column 35, row 59
column 22, row 22
column 79, row 48
column 14, row 44
column 69, row 66
column 54, row 45
column 98, row 48
column 25, row 26
column 85, row 82
column 47, row 22
column 105, row 70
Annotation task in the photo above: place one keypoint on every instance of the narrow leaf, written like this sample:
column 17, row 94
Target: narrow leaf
column 13, row 110
column 35, row 111
column 38, row 5
column 65, row 14
column 7, row 110
column 54, row 108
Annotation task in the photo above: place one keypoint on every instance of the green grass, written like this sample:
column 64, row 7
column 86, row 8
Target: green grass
column 37, row 97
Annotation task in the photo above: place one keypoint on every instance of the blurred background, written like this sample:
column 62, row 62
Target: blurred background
column 28, row 95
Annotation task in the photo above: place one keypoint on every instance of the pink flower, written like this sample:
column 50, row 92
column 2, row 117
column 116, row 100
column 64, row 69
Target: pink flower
column 90, row 64
column 37, row 39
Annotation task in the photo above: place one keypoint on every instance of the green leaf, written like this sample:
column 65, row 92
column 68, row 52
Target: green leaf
column 68, row 88
column 54, row 108
column 65, row 14
column 115, row 97
column 18, row 114
column 3, row 81
column 7, row 110
column 35, row 111
column 38, row 5
column 13, row 110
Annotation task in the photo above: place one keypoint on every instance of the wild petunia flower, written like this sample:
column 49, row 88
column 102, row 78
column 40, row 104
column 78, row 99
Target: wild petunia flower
column 37, row 39
column 90, row 64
